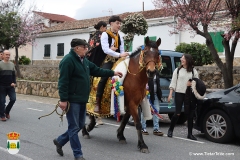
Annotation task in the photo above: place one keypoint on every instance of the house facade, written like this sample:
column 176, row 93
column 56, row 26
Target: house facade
column 54, row 42
column 47, row 20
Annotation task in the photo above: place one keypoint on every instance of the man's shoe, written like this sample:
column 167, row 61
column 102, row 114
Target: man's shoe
column 7, row 116
column 191, row 137
column 3, row 119
column 170, row 133
column 157, row 132
column 145, row 132
column 58, row 147
column 79, row 158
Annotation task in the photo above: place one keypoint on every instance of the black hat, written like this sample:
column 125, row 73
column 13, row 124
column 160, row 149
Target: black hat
column 76, row 42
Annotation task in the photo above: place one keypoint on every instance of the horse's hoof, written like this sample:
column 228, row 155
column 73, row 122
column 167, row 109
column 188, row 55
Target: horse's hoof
column 144, row 150
column 123, row 141
column 86, row 137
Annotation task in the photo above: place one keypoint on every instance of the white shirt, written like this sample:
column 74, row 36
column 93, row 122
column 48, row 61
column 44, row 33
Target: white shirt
column 105, row 45
column 180, row 84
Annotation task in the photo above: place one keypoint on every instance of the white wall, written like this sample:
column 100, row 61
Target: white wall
column 156, row 28
column 23, row 51
column 168, row 42
column 38, row 50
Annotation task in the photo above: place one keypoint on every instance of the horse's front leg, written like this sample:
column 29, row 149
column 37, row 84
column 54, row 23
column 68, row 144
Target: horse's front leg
column 85, row 131
column 120, row 130
column 141, row 144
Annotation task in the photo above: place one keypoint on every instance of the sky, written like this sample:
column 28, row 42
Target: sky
column 84, row 9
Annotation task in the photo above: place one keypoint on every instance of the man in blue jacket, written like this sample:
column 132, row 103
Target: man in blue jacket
column 74, row 87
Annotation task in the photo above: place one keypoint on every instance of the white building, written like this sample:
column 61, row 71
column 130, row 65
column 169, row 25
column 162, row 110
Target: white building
column 54, row 42
column 48, row 20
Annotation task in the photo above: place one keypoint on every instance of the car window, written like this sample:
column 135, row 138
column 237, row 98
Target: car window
column 167, row 67
column 237, row 90
column 177, row 61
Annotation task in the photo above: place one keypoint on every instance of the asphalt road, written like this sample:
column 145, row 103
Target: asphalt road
column 36, row 138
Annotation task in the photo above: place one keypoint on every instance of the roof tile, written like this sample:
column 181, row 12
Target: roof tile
column 85, row 23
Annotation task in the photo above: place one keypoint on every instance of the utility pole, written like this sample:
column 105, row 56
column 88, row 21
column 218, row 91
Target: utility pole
column 143, row 5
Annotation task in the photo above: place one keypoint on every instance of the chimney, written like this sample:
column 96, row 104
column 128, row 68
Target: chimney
column 143, row 6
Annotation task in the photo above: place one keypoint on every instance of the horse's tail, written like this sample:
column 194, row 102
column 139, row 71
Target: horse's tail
column 136, row 52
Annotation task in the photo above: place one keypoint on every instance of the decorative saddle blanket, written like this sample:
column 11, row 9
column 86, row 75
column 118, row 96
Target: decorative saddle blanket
column 114, row 93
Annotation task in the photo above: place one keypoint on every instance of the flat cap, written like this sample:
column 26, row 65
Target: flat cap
column 76, row 42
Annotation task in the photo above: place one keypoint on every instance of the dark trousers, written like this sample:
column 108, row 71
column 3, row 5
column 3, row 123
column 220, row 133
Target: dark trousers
column 179, row 99
column 4, row 91
column 103, row 80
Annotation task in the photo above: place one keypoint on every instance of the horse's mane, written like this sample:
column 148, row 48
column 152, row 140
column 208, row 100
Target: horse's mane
column 137, row 51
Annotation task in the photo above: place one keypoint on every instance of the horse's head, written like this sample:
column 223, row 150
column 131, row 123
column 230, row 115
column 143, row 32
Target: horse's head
column 151, row 57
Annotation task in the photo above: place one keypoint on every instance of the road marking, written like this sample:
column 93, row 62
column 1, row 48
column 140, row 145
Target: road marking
column 16, row 155
column 35, row 109
column 114, row 125
column 185, row 139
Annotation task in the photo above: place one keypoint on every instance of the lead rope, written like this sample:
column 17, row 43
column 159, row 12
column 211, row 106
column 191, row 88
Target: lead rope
column 55, row 110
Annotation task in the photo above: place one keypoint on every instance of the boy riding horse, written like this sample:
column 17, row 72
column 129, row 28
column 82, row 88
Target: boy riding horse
column 113, row 46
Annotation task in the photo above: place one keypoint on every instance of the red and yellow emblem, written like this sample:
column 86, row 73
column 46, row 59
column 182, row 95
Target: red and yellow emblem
column 13, row 135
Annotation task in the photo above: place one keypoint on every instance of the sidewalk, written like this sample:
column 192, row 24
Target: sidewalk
column 38, row 99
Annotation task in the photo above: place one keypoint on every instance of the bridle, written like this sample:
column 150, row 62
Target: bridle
column 143, row 64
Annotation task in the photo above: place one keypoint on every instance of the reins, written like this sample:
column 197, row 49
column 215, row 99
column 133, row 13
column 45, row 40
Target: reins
column 55, row 110
column 142, row 65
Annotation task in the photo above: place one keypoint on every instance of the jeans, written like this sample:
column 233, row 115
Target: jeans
column 4, row 91
column 155, row 117
column 76, row 120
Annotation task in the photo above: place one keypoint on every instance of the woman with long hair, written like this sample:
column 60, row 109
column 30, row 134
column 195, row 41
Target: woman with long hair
column 181, row 85
column 95, row 53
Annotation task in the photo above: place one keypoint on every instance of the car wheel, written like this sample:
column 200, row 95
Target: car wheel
column 181, row 120
column 131, row 121
column 217, row 126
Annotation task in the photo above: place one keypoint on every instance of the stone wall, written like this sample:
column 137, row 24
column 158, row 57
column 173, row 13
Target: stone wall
column 42, row 80
column 46, row 62
column 40, row 72
column 236, row 62
column 38, row 88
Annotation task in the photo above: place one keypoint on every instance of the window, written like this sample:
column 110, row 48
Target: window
column 177, row 62
column 167, row 67
column 47, row 49
column 60, row 49
column 217, row 40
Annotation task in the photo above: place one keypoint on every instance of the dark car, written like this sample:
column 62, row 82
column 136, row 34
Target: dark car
column 170, row 61
column 218, row 117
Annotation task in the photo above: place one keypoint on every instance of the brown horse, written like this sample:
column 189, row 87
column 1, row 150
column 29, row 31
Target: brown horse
column 142, row 65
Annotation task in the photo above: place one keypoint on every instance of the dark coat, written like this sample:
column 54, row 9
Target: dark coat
column 74, row 79
column 151, row 88
column 190, row 101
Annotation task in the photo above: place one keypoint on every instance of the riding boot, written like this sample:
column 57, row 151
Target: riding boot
column 190, row 128
column 97, row 105
column 172, row 125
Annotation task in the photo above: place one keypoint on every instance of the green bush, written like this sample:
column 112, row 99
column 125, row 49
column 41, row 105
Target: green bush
column 200, row 52
column 23, row 60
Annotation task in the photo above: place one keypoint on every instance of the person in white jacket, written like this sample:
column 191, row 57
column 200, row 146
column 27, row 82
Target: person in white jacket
column 181, row 79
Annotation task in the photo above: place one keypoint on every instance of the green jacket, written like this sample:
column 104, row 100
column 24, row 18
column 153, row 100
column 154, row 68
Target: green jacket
column 74, row 79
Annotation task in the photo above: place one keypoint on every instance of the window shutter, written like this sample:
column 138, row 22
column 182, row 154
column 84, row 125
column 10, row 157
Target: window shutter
column 47, row 49
column 60, row 49
column 217, row 40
